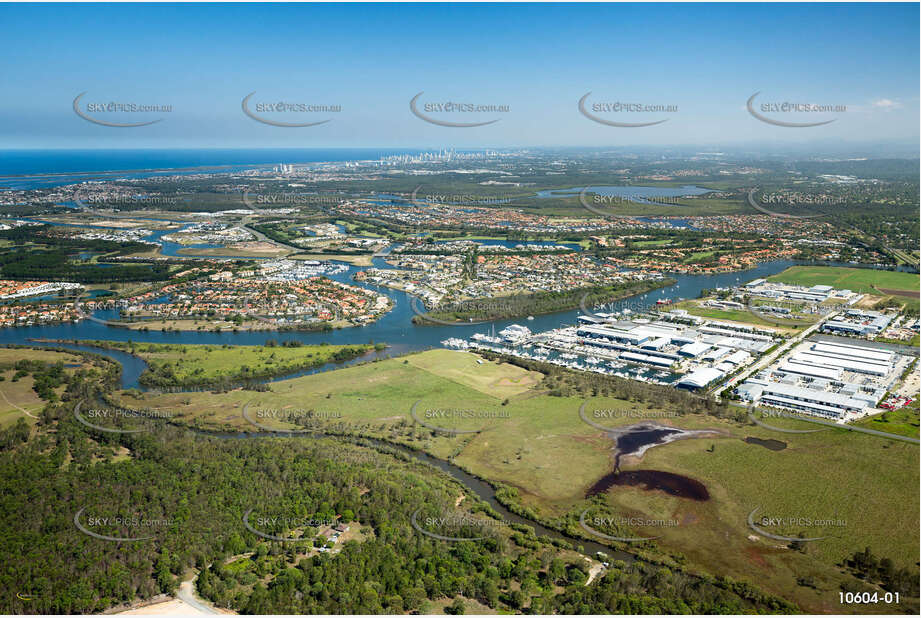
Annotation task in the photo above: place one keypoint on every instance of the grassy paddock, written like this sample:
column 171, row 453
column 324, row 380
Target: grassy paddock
column 863, row 280
column 741, row 315
column 891, row 285
column 15, row 397
column 200, row 364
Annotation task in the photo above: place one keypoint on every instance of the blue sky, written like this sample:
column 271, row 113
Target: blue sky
column 538, row 59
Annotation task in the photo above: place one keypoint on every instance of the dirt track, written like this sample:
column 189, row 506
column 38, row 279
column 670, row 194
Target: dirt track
column 906, row 293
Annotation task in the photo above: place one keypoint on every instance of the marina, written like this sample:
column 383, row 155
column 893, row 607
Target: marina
column 658, row 346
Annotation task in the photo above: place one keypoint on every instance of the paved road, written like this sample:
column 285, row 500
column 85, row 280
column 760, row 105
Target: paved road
column 770, row 358
column 248, row 224
column 899, row 254
column 819, row 421
column 263, row 238
column 872, row 432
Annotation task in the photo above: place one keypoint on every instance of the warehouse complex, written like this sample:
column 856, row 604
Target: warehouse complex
column 829, row 376
column 837, row 381
column 785, row 292
column 857, row 322
column 835, row 378
column 658, row 348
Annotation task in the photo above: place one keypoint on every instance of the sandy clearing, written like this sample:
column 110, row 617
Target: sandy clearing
column 594, row 571
column 173, row 607
column 911, row 386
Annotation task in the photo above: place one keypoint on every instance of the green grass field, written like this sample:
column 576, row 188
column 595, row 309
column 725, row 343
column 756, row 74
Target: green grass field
column 543, row 449
column 492, row 379
column 211, row 363
column 697, row 256
column 372, row 395
column 741, row 315
column 864, row 280
column 18, row 400
column 899, row 286
column 11, row 355
column 903, row 421
column 860, row 486
column 644, row 244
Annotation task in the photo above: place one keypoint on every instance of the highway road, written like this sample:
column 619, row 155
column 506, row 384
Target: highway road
column 819, row 421
column 770, row 358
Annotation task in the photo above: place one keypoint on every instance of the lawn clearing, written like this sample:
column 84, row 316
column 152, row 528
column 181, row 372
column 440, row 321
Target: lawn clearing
column 495, row 379
column 903, row 421
column 863, row 280
column 177, row 364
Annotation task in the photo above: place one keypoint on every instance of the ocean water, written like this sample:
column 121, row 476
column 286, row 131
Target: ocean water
column 31, row 162
column 43, row 169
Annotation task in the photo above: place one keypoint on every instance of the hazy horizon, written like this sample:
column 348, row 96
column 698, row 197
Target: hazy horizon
column 702, row 64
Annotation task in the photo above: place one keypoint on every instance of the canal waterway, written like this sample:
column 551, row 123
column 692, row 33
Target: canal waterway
column 395, row 328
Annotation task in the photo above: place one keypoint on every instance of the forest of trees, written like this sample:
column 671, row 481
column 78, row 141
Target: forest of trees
column 539, row 303
column 193, row 490
column 53, row 260
column 46, row 376
column 883, row 571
